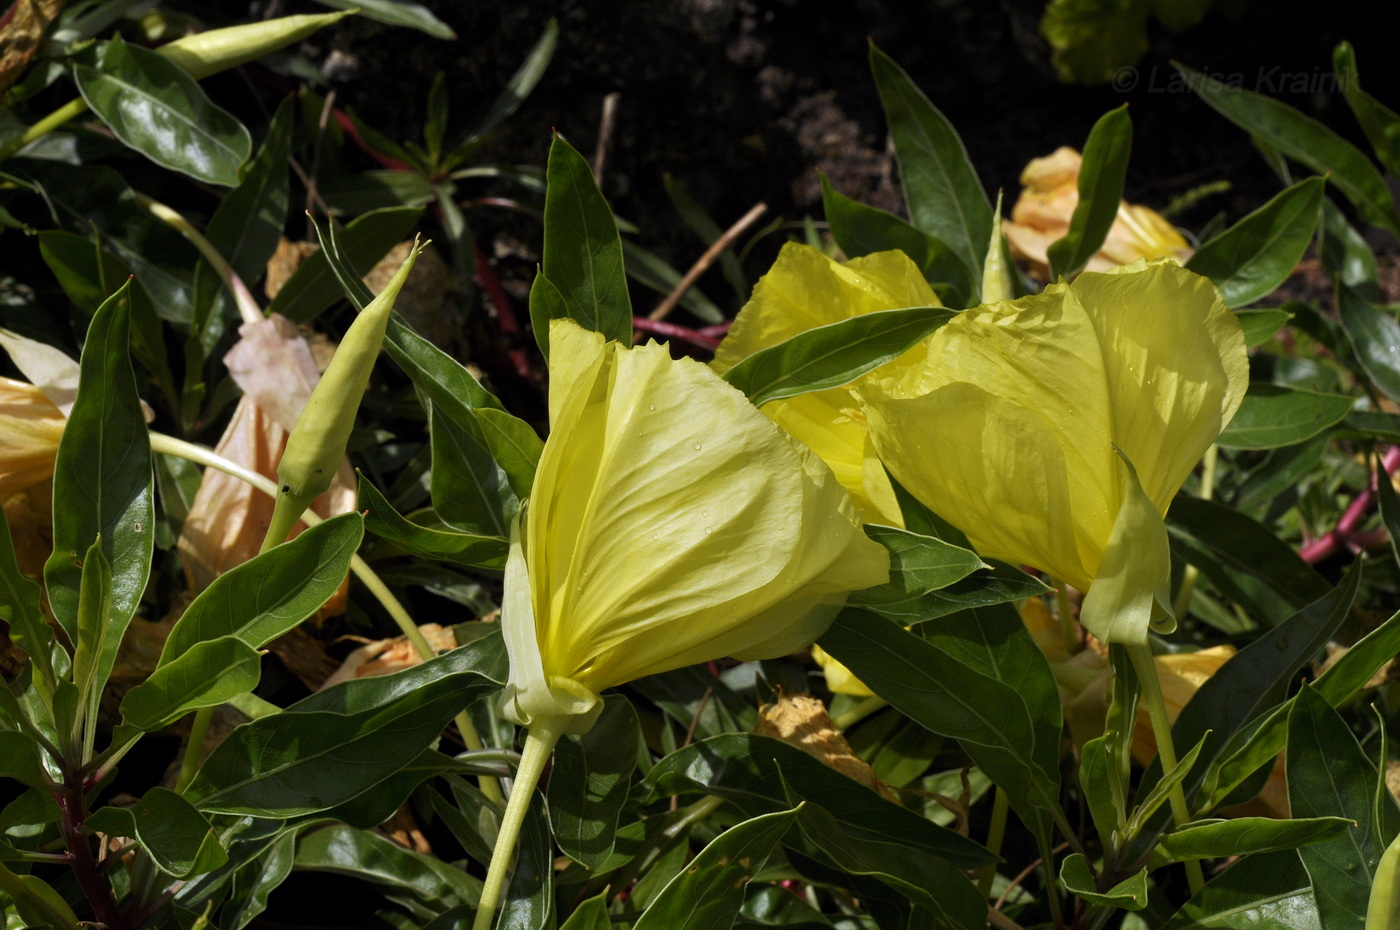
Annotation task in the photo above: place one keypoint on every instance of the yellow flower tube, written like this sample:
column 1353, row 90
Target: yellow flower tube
column 670, row 523
column 1055, row 429
column 804, row 290
column 30, row 427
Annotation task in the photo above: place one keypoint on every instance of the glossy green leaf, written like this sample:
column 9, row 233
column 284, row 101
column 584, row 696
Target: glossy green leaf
column 1257, row 254
column 471, row 491
column 1273, row 416
column 160, row 111
column 1101, row 177
column 743, row 769
column 439, row 378
column 582, row 250
column 363, row 242
column 979, row 678
column 592, row 914
column 426, row 542
column 1247, row 562
column 1252, row 748
column 834, row 354
column 1153, row 799
column 1389, row 502
column 945, row 197
column 177, row 837
column 1242, row 836
column 861, row 230
column 709, row 891
column 404, row 13
column 206, row 674
column 1370, row 424
column 1380, row 123
column 22, row 759
column 103, row 487
column 1130, row 894
column 330, row 747
column 1345, row 253
column 424, row 884
column 1304, row 140
column 589, row 783
column 1260, row 325
column 930, row 883
column 918, row 564
column 1374, row 336
column 1103, row 788
column 1329, row 775
column 271, row 593
column 1269, row 891
column 19, row 607
column 253, row 884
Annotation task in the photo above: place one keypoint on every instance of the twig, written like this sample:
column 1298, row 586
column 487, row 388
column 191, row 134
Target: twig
column 725, row 240
column 672, row 331
column 1351, row 520
column 605, row 130
column 1021, row 876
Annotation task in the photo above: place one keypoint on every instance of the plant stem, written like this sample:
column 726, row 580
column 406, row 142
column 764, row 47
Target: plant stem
column 97, row 892
column 1065, row 615
column 1188, row 577
column 1162, row 729
column 996, row 831
column 48, row 124
column 539, row 743
column 248, row 308
column 200, row 455
column 194, row 749
column 858, row 713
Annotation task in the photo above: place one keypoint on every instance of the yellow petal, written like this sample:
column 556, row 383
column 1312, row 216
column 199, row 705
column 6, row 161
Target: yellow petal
column 839, row 679
column 1181, row 675
column 30, row 428
column 670, row 523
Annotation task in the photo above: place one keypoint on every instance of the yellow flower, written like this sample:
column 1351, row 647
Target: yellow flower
column 670, row 523
column 30, row 427
column 1049, row 194
column 839, row 679
column 803, row 290
column 1055, row 429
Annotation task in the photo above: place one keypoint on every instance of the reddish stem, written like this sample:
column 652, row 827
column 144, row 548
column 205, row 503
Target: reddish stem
column 505, row 313
column 97, row 891
column 672, row 331
column 348, row 125
column 1345, row 532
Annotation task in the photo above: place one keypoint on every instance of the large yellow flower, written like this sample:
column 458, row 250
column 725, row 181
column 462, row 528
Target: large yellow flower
column 670, row 523
column 1055, row 429
column 803, row 290
column 30, row 427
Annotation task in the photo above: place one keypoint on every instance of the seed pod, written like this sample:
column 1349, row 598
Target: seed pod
column 317, row 443
column 996, row 273
column 214, row 50
column 1383, row 911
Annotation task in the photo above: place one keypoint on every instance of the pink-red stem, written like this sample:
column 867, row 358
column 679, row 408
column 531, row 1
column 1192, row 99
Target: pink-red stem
column 1345, row 534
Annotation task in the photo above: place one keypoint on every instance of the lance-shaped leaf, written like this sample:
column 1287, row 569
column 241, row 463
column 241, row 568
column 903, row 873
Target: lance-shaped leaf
column 1251, row 258
column 429, row 542
column 207, row 674
column 589, row 783
column 1239, row 836
column 177, row 837
column 1380, row 123
column 1261, row 324
column 834, row 354
column 427, row 886
column 152, row 105
column 1101, row 177
column 1129, row 894
column 1269, row 891
column 19, row 606
column 1374, row 336
column 1271, row 416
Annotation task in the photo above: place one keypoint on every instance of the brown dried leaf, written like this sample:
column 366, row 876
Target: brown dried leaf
column 284, row 263
column 22, row 29
column 801, row 720
column 383, row 656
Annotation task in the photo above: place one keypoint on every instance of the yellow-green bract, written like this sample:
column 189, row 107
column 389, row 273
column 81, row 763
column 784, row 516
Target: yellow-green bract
column 1054, row 430
column 214, row 50
column 669, row 523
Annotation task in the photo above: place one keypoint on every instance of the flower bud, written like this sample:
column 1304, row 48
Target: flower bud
column 215, row 50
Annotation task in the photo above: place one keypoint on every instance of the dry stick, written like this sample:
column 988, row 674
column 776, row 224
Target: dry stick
column 725, row 240
column 605, row 130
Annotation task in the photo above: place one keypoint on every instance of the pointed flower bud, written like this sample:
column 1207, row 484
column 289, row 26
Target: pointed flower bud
column 215, row 50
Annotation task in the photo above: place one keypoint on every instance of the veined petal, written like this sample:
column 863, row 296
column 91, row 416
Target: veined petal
column 1132, row 587
column 30, row 428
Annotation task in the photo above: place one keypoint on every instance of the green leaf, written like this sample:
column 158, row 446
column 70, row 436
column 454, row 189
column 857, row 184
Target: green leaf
column 1257, row 254
column 945, row 198
column 176, row 836
column 861, row 230
column 1101, row 177
column 425, row 885
column 1153, row 799
column 1390, row 510
column 1304, row 140
column 271, row 593
column 979, row 678
column 330, row 747
column 1260, row 325
column 471, row 491
column 384, row 521
column 519, row 86
column 1094, row 40
column 1374, row 336
column 157, row 109
column 1104, row 788
column 19, row 607
column 1345, row 253
column 582, row 250
column 589, row 782
column 1129, row 894
column 397, row 13
column 1273, row 416
column 22, row 759
column 1247, row 562
column 103, row 486
column 1380, row 123
column 363, row 242
column 592, row 914
column 207, row 674
column 1240, row 836
column 834, row 354
column 438, row 377
column 918, row 564
column 709, row 891
column 1329, row 775
column 742, row 768
column 529, row 901
column 1269, row 891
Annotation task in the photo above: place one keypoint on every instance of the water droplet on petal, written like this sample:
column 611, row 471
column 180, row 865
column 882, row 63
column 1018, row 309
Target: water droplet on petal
column 695, row 446
column 651, row 406
column 709, row 530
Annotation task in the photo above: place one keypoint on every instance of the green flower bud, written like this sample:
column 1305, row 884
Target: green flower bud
column 1383, row 911
column 317, row 443
column 214, row 50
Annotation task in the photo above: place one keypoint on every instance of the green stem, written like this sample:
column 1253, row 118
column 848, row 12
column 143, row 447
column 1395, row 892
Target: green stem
column 248, row 308
column 48, row 124
column 200, row 455
column 858, row 713
column 1166, row 750
column 194, row 749
column 1065, row 614
column 1207, row 488
column 996, row 832
column 539, row 743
